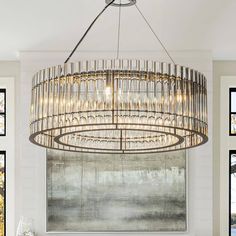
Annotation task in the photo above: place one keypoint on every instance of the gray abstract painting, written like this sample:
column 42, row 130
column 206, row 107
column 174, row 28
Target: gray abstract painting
column 121, row 193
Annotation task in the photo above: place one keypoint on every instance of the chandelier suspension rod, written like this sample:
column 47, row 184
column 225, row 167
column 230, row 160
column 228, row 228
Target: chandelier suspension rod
column 86, row 32
column 153, row 31
column 118, row 41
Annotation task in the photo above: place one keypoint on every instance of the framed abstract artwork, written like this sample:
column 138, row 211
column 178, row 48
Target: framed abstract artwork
column 116, row 193
column 2, row 193
column 232, row 111
column 2, row 112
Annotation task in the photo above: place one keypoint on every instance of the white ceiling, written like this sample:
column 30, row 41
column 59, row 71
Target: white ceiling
column 57, row 25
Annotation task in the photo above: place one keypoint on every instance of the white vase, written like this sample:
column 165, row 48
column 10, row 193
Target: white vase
column 25, row 227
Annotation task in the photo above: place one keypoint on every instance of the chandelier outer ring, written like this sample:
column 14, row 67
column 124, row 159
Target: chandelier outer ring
column 113, row 153
column 32, row 139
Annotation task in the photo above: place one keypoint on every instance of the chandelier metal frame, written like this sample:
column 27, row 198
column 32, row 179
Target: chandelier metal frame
column 120, row 105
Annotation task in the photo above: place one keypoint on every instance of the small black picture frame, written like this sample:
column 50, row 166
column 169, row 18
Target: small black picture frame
column 4, row 112
column 232, row 114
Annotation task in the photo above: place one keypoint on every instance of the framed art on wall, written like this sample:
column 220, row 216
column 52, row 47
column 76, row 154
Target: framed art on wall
column 116, row 193
column 232, row 111
column 232, row 193
column 2, row 193
column 2, row 112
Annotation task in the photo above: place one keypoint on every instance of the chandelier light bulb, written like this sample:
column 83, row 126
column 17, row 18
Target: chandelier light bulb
column 108, row 91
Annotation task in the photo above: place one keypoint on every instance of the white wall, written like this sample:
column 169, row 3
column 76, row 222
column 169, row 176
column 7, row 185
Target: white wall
column 9, row 72
column 31, row 161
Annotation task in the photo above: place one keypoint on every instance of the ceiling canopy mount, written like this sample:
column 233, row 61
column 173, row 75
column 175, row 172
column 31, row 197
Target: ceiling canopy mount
column 121, row 3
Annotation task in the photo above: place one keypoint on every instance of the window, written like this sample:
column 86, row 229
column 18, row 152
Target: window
column 2, row 112
column 2, row 193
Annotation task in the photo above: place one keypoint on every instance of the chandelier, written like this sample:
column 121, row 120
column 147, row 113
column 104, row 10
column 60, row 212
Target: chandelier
column 119, row 105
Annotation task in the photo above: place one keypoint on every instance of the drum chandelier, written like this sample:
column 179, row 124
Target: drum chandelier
column 119, row 105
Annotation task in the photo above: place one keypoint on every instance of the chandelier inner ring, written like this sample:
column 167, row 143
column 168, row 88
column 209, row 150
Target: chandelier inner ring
column 124, row 138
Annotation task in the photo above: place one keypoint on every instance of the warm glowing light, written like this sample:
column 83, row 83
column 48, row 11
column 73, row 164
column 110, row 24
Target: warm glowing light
column 108, row 91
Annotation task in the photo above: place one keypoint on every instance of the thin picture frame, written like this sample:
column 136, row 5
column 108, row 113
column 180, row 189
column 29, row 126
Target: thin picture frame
column 231, row 152
column 4, row 114
column 123, row 232
column 5, row 188
column 231, row 90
